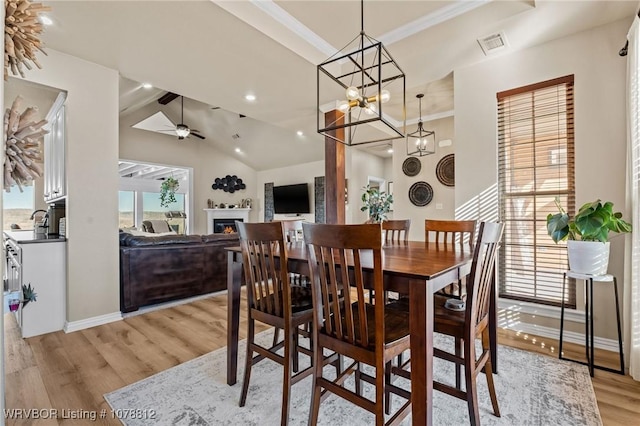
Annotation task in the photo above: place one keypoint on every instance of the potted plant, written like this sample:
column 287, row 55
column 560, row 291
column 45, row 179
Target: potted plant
column 587, row 234
column 168, row 190
column 377, row 203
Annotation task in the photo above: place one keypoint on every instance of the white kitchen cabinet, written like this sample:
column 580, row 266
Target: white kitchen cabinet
column 38, row 260
column 54, row 153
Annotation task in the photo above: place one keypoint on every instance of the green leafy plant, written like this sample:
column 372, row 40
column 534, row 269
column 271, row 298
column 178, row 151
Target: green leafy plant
column 593, row 222
column 168, row 191
column 28, row 294
column 377, row 203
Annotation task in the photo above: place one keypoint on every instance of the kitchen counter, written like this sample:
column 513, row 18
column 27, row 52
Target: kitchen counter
column 29, row 236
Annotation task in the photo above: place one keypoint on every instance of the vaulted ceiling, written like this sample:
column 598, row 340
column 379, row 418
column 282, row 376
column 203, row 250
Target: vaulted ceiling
column 216, row 52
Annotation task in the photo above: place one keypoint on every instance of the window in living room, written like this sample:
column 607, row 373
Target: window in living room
column 139, row 195
column 535, row 165
column 126, row 212
column 152, row 210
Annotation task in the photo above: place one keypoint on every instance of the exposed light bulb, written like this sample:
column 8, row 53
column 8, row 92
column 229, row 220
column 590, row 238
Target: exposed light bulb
column 385, row 96
column 353, row 93
column 343, row 106
column 370, row 109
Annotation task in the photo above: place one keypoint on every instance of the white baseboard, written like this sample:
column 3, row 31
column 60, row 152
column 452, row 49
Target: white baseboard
column 70, row 327
column 554, row 333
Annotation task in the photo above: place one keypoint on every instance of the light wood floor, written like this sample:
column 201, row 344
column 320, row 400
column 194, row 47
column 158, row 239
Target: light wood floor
column 73, row 371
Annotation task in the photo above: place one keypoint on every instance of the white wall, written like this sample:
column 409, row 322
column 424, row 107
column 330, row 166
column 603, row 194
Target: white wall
column 600, row 125
column 444, row 195
column 359, row 166
column 92, row 181
column 208, row 163
column 300, row 173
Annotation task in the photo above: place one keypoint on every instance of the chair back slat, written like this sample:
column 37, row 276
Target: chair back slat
column 264, row 259
column 450, row 232
column 482, row 272
column 336, row 258
column 396, row 231
column 292, row 230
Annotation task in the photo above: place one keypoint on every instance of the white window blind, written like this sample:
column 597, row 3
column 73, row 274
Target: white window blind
column 535, row 165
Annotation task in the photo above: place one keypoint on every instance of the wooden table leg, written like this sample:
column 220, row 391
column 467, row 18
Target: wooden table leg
column 421, row 328
column 234, row 270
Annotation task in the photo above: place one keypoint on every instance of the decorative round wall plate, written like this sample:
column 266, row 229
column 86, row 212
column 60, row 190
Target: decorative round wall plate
column 411, row 166
column 446, row 170
column 420, row 194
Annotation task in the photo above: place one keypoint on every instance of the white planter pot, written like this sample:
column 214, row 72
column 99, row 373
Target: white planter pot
column 588, row 257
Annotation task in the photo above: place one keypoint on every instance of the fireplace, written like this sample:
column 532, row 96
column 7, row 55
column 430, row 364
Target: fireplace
column 225, row 215
column 225, row 226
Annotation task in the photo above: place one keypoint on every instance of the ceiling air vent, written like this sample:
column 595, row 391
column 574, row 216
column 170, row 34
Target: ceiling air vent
column 493, row 43
column 235, row 136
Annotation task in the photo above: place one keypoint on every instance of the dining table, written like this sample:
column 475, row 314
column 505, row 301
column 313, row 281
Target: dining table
column 416, row 268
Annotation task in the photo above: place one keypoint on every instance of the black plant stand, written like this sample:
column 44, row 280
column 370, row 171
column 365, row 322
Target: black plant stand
column 588, row 308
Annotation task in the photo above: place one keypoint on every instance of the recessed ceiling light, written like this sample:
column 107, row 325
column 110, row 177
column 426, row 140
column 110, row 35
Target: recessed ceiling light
column 46, row 20
column 300, row 133
column 147, row 85
column 238, row 150
column 250, row 97
column 390, row 150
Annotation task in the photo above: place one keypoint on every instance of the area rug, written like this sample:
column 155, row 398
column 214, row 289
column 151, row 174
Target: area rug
column 532, row 390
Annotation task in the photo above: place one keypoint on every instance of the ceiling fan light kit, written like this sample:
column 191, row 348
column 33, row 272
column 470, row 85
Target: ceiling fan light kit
column 181, row 130
column 357, row 81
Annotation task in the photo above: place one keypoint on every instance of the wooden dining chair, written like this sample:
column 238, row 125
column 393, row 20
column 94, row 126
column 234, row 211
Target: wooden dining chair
column 345, row 324
column 395, row 231
column 272, row 300
column 292, row 230
column 450, row 235
column 470, row 324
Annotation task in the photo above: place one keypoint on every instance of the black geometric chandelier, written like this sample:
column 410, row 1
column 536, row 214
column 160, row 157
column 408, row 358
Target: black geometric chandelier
column 421, row 142
column 359, row 81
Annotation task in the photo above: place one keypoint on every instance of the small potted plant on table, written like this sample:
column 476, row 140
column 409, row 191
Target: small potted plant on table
column 587, row 234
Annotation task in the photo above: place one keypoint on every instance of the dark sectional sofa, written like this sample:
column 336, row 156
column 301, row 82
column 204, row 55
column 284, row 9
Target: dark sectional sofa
column 171, row 267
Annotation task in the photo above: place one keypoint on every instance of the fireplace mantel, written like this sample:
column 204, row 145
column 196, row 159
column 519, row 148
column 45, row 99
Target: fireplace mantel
column 237, row 213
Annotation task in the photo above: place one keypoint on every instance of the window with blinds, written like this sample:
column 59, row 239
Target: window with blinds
column 535, row 166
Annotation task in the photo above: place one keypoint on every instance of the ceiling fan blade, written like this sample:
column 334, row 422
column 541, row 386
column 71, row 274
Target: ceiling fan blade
column 196, row 135
column 166, row 130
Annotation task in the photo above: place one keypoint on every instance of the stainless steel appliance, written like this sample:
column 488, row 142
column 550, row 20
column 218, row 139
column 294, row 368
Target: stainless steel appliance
column 55, row 213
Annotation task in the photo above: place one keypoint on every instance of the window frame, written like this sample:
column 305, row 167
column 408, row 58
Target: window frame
column 507, row 146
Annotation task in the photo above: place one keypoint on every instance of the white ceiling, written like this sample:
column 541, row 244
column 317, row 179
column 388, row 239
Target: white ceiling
column 215, row 52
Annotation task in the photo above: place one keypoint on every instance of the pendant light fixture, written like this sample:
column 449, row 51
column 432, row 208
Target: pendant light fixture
column 356, row 82
column 421, row 142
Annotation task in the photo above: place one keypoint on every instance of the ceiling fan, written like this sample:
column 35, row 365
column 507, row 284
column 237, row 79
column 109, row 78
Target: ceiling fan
column 181, row 129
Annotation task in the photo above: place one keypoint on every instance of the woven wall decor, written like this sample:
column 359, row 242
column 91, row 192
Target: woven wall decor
column 23, row 134
column 22, row 31
column 446, row 170
column 229, row 184
column 420, row 194
column 411, row 166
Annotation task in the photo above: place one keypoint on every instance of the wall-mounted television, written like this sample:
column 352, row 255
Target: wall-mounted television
column 291, row 199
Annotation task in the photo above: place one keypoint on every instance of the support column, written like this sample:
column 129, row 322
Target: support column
column 334, row 159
